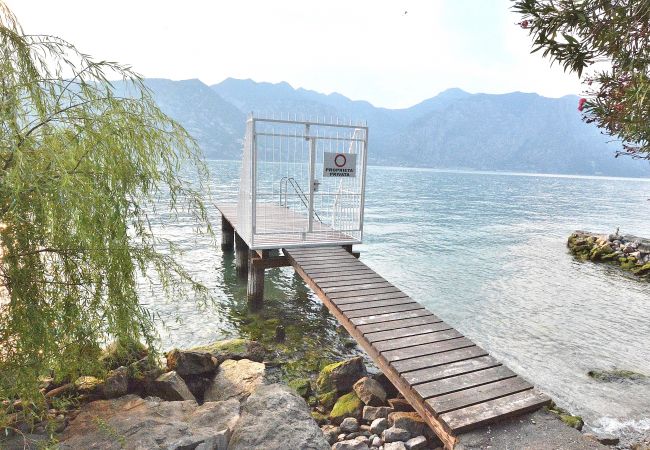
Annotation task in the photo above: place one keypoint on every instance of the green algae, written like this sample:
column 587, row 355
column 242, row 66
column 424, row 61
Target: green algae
column 327, row 399
column 324, row 382
column 302, row 386
column 348, row 405
column 616, row 375
column 572, row 421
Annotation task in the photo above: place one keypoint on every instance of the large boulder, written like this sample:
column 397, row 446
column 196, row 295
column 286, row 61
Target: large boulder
column 411, row 422
column 187, row 363
column 348, row 405
column 170, row 386
column 275, row 417
column 235, row 379
column 131, row 423
column 341, row 376
column 116, row 383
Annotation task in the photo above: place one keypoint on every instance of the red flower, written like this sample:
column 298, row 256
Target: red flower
column 581, row 104
column 523, row 24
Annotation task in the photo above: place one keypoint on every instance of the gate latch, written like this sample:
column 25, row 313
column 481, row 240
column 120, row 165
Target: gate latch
column 316, row 185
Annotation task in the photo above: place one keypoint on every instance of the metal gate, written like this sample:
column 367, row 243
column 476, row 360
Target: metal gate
column 302, row 183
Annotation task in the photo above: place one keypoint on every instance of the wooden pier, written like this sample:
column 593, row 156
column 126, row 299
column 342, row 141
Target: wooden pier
column 453, row 384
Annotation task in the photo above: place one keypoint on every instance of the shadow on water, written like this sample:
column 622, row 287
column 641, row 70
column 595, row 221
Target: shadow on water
column 313, row 337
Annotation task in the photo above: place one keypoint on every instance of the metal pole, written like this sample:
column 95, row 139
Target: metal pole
column 312, row 169
column 363, row 183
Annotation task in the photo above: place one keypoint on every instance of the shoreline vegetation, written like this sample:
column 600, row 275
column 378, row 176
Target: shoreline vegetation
column 630, row 253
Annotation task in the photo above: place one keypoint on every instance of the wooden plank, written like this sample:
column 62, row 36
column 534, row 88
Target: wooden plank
column 460, row 382
column 478, row 394
column 358, row 275
column 358, row 293
column 389, row 317
column 353, row 263
column 427, row 349
column 410, row 341
column 318, row 259
column 386, row 326
column 379, row 303
column 473, row 416
column 369, row 297
column 383, row 310
column 407, row 331
column 449, row 370
column 334, row 281
column 298, row 253
column 438, row 359
column 340, row 270
column 356, row 286
column 392, row 308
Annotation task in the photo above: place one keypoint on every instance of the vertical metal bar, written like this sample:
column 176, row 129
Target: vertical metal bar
column 363, row 183
column 312, row 169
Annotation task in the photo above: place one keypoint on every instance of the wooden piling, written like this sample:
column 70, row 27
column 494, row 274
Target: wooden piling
column 227, row 235
column 255, row 287
column 241, row 255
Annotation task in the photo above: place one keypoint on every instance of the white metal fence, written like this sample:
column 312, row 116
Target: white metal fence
column 302, row 182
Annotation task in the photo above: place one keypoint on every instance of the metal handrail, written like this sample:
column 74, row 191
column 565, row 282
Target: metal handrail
column 301, row 194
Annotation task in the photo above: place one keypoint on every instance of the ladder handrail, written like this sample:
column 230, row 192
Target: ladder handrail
column 301, row 194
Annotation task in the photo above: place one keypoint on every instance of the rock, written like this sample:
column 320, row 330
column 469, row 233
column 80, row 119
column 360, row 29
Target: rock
column 142, row 373
column 190, row 362
column 410, row 421
column 331, row 433
column 328, row 399
column 416, row 443
column 572, row 421
column 341, row 376
column 603, row 439
column 376, row 441
column 615, row 375
column 379, row 425
column 171, row 387
column 370, row 391
column 197, row 384
column 116, row 383
column 371, row 413
column 389, row 388
column 351, row 444
column 302, row 386
column 88, row 385
column 394, row 434
column 397, row 445
column 131, row 422
column 123, row 353
column 274, row 416
column 348, row 405
column 234, row 349
column 400, row 404
column 320, row 418
column 235, row 379
column 349, row 425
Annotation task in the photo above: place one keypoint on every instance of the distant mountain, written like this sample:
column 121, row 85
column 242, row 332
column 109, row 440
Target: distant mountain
column 455, row 129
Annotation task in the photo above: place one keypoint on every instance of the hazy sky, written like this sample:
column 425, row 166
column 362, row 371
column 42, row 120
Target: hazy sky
column 391, row 53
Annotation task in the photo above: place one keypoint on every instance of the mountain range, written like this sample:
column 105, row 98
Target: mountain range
column 453, row 130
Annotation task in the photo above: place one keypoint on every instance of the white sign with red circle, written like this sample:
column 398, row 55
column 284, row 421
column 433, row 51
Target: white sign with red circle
column 340, row 165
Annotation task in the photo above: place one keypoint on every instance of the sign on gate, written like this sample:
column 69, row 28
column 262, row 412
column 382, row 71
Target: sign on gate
column 341, row 165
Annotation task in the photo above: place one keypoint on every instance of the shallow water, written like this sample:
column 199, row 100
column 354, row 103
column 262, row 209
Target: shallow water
column 487, row 253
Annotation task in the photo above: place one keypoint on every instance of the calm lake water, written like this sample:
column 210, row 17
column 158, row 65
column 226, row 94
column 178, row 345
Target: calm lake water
column 487, row 253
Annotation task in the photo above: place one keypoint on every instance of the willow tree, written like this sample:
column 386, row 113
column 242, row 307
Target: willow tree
column 80, row 167
column 607, row 44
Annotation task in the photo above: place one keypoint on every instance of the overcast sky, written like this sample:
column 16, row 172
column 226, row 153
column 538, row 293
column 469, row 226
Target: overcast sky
column 391, row 53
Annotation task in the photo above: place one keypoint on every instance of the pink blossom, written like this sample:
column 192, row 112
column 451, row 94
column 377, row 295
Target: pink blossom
column 581, row 104
column 523, row 24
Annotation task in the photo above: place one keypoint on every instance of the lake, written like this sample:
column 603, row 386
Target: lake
column 487, row 253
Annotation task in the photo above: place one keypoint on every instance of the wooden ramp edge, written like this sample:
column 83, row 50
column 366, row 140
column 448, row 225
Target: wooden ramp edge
column 450, row 381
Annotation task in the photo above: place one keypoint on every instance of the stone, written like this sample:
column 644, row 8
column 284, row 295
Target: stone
column 394, row 434
column 348, row 405
column 409, row 421
column 370, row 391
column 351, row 444
column 197, row 384
column 171, row 387
column 416, row 443
column 142, row 373
column 397, row 445
column 274, row 416
column 123, row 353
column 371, row 413
column 341, row 376
column 131, row 422
column 389, row 388
column 320, row 418
column 116, row 383
column 190, row 362
column 349, row 425
column 235, row 379
column 400, row 404
column 235, row 349
column 379, row 425
column 331, row 433
column 328, row 399
column 88, row 385
column 376, row 441
column 302, row 386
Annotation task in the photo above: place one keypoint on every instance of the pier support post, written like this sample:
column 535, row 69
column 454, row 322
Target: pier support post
column 255, row 287
column 227, row 235
column 241, row 255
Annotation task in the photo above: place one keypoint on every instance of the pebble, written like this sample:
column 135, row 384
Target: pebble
column 350, row 445
column 376, row 442
column 398, row 445
column 371, row 413
column 341, row 437
column 416, row 443
column 394, row 434
column 349, row 425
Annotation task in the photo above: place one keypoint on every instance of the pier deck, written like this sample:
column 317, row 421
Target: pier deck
column 453, row 383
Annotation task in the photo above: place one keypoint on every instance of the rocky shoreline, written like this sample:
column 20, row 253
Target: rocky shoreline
column 628, row 252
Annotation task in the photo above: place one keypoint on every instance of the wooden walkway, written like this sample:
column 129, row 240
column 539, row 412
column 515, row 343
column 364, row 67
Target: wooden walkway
column 454, row 384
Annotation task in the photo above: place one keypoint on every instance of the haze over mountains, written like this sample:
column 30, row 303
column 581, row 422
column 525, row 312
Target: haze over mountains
column 453, row 130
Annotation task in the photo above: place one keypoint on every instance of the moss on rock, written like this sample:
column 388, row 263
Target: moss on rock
column 302, row 386
column 327, row 399
column 615, row 375
column 348, row 405
column 572, row 421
